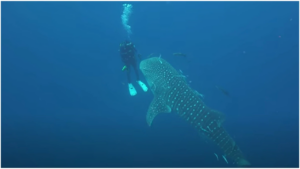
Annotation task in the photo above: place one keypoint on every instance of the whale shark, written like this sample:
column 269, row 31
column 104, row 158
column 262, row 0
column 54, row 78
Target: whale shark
column 173, row 94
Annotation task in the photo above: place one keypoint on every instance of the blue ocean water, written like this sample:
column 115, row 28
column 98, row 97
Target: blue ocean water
column 65, row 101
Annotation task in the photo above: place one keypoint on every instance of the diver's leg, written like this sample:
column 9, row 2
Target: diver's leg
column 134, row 65
column 131, row 88
column 128, row 73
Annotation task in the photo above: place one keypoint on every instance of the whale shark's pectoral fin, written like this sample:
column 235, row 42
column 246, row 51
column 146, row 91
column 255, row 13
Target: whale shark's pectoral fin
column 157, row 106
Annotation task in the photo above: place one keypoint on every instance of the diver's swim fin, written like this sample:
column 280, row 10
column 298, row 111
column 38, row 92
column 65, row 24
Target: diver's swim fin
column 143, row 86
column 132, row 90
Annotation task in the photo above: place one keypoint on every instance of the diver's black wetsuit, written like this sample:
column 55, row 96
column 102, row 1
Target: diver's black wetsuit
column 128, row 52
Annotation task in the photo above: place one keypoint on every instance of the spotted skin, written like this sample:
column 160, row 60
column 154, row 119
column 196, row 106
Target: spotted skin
column 172, row 94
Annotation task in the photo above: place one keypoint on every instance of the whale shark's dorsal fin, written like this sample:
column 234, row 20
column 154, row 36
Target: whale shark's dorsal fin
column 157, row 106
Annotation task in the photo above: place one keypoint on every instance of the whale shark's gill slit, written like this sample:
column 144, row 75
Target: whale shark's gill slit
column 153, row 86
column 180, row 98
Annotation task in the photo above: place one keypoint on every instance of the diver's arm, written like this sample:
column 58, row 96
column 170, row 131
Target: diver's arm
column 122, row 56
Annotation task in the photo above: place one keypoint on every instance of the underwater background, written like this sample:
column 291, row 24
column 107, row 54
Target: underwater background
column 65, row 99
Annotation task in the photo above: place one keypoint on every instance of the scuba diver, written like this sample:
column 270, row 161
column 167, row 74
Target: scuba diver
column 128, row 52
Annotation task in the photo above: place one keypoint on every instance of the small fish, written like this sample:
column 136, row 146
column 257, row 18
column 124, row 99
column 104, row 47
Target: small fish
column 159, row 59
column 179, row 54
column 216, row 156
column 223, row 91
column 181, row 76
column 201, row 95
column 225, row 159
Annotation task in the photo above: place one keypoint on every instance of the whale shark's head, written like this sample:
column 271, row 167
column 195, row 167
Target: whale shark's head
column 158, row 73
column 151, row 69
